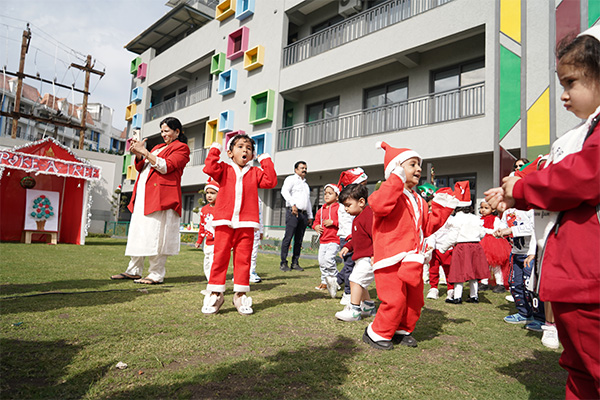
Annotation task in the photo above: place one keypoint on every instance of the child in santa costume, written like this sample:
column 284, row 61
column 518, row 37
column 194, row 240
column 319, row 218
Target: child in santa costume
column 348, row 177
column 206, row 230
column 497, row 250
column 401, row 221
column 326, row 225
column 235, row 218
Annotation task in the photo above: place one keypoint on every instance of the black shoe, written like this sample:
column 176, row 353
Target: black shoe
column 405, row 340
column 499, row 289
column 454, row 301
column 380, row 345
column 284, row 267
column 484, row 287
column 472, row 300
column 296, row 267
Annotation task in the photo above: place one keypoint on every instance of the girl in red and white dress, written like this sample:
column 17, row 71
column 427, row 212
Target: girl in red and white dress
column 206, row 229
column 497, row 250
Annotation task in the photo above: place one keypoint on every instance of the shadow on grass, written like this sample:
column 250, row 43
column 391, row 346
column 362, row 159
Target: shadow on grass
column 296, row 298
column 73, row 284
column 56, row 301
column 36, row 369
column 431, row 323
column 317, row 372
column 539, row 374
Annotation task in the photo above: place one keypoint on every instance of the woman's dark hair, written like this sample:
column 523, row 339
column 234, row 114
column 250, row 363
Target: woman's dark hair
column 241, row 136
column 523, row 160
column 354, row 191
column 466, row 209
column 174, row 124
column 582, row 52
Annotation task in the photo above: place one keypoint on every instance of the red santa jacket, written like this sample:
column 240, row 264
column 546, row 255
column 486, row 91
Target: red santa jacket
column 206, row 230
column 361, row 242
column 238, row 195
column 571, row 261
column 329, row 234
column 397, row 230
column 163, row 191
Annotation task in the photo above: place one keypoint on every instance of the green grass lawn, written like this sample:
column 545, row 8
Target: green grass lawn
column 65, row 325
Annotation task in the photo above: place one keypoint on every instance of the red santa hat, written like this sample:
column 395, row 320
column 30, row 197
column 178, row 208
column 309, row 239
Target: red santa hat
column 212, row 184
column 333, row 186
column 394, row 157
column 354, row 175
column 462, row 192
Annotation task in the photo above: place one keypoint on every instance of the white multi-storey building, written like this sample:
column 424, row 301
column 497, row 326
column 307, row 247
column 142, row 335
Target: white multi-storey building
column 468, row 84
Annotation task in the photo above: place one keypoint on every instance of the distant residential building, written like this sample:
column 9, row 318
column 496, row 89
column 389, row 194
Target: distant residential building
column 100, row 134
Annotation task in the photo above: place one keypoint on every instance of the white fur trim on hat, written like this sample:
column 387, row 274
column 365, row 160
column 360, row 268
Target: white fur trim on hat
column 399, row 159
column 211, row 186
column 594, row 31
column 335, row 188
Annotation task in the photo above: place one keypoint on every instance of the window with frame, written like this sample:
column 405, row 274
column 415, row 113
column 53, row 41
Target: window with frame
column 322, row 123
column 188, row 207
column 450, row 87
column 385, row 107
column 278, row 206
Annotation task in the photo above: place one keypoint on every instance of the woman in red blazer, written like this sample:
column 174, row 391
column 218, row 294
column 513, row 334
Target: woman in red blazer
column 156, row 203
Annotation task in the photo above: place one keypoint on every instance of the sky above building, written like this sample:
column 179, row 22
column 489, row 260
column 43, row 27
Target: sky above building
column 65, row 32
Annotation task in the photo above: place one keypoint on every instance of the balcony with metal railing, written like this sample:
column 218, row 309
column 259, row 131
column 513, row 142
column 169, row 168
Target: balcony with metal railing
column 197, row 157
column 362, row 24
column 192, row 96
column 464, row 102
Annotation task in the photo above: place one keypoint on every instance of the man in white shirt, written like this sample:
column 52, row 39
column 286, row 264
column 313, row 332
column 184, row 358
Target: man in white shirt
column 298, row 213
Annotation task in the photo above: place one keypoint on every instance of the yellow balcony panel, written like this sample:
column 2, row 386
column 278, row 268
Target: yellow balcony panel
column 254, row 58
column 224, row 10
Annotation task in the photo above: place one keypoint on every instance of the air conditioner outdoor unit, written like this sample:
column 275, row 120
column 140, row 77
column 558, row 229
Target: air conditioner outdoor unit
column 349, row 7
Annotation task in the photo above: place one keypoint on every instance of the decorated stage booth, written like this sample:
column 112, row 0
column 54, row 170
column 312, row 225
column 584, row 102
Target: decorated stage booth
column 45, row 191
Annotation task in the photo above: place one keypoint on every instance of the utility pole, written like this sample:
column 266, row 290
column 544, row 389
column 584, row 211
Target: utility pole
column 89, row 67
column 17, row 108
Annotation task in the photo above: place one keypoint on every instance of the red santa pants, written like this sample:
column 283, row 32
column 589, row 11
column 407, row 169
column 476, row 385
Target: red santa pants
column 579, row 332
column 401, row 303
column 240, row 240
column 439, row 260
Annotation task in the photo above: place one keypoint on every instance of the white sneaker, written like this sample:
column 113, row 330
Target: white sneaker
column 550, row 336
column 254, row 278
column 332, row 286
column 348, row 314
column 367, row 310
column 433, row 294
column 345, row 299
column 510, row 298
column 450, row 294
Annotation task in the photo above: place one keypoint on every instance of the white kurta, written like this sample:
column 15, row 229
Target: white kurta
column 156, row 233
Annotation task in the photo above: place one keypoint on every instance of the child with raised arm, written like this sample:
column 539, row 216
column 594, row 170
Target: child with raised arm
column 235, row 218
column 206, row 229
column 326, row 225
column 354, row 198
column 401, row 221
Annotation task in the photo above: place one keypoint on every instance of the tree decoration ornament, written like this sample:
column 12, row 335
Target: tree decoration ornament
column 42, row 211
column 28, row 182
